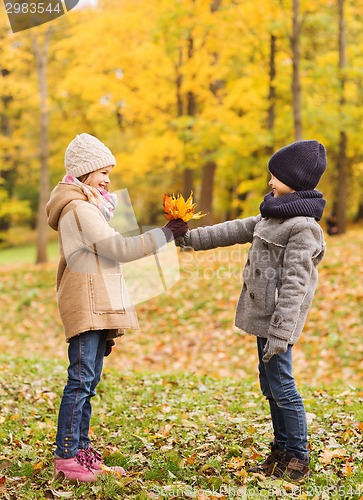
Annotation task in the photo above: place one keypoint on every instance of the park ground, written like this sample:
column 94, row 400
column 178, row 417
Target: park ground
column 179, row 404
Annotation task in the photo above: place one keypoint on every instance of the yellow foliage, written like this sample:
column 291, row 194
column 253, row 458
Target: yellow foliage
column 171, row 85
column 176, row 207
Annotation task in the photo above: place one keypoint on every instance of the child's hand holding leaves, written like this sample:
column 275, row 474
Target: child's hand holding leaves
column 179, row 211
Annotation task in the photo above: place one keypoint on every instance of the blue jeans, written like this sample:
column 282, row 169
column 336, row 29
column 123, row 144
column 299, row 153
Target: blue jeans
column 286, row 406
column 85, row 354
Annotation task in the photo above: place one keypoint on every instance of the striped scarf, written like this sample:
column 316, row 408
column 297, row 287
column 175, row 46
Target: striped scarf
column 106, row 202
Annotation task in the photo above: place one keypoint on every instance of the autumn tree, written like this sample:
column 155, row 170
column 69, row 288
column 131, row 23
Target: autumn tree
column 191, row 94
column 13, row 209
column 40, row 44
column 343, row 137
column 296, row 85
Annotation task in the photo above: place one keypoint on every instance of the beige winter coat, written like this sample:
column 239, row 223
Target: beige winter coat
column 91, row 291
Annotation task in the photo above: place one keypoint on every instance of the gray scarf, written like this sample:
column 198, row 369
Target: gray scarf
column 300, row 203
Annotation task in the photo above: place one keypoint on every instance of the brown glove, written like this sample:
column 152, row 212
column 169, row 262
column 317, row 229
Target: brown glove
column 110, row 343
column 177, row 227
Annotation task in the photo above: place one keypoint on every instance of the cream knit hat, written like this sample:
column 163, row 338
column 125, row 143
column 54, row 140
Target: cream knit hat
column 86, row 154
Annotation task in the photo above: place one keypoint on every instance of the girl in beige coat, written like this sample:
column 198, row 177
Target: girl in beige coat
column 93, row 300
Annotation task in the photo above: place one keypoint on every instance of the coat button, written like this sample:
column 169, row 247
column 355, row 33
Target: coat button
column 244, row 286
column 252, row 295
column 265, row 244
column 258, row 272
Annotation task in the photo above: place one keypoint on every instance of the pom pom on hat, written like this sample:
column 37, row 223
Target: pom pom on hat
column 299, row 165
column 86, row 154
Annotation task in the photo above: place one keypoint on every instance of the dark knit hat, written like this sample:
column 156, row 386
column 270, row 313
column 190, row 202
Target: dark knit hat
column 299, row 165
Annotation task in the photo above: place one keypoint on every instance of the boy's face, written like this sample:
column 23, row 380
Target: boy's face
column 100, row 179
column 278, row 187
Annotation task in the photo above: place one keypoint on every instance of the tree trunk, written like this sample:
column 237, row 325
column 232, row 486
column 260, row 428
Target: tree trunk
column 188, row 174
column 271, row 101
column 179, row 81
column 271, row 93
column 296, row 86
column 6, row 174
column 342, row 183
column 191, row 111
column 188, row 181
column 359, row 215
column 206, row 198
column 41, row 60
column 209, row 168
column 215, row 5
column 343, row 138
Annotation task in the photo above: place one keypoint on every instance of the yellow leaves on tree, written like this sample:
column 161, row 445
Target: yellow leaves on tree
column 175, row 207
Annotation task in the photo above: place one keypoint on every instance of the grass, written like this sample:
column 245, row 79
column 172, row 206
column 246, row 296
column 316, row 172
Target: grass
column 179, row 436
column 26, row 254
column 190, row 327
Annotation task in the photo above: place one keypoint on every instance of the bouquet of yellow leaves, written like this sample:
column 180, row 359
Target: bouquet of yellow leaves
column 175, row 207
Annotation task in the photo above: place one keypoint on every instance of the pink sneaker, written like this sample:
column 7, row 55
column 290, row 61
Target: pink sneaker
column 96, row 464
column 74, row 469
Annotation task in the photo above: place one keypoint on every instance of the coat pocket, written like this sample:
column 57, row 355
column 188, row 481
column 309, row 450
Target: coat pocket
column 272, row 296
column 107, row 294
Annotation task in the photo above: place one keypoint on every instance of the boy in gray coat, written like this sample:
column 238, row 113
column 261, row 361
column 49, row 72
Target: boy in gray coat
column 280, row 278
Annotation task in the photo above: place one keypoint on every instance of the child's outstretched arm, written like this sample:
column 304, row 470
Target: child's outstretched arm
column 220, row 235
column 84, row 229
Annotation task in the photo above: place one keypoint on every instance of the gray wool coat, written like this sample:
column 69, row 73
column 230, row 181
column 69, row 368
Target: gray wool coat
column 280, row 276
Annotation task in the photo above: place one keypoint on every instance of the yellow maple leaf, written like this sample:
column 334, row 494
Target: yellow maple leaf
column 176, row 207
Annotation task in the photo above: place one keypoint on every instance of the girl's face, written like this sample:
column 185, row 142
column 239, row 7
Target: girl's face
column 278, row 187
column 100, row 179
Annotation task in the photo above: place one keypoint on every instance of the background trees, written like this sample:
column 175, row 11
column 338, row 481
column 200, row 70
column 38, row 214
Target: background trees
column 191, row 94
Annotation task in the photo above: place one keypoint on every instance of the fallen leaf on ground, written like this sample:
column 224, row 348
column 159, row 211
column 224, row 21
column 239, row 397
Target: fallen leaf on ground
column 38, row 466
column 61, row 494
column 327, row 455
column 236, row 463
